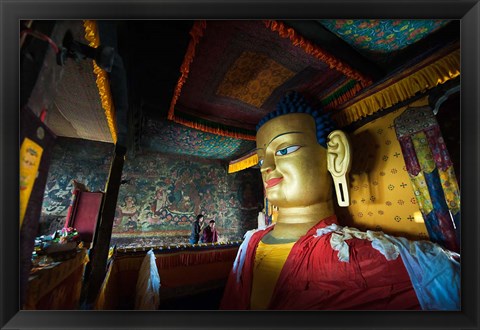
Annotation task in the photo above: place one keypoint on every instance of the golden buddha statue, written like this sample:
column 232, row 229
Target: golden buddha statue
column 293, row 166
column 306, row 260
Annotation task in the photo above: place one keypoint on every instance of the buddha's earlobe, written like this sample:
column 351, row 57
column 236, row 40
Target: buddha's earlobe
column 339, row 164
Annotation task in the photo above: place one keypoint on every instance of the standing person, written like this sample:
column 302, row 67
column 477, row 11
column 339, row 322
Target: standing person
column 210, row 234
column 196, row 227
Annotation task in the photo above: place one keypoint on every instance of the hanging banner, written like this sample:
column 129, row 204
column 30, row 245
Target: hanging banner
column 30, row 156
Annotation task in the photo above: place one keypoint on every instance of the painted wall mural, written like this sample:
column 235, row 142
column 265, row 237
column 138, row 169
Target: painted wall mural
column 86, row 161
column 161, row 198
column 164, row 194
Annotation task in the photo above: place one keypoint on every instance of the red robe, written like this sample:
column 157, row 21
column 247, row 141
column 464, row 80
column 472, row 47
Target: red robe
column 314, row 279
column 209, row 235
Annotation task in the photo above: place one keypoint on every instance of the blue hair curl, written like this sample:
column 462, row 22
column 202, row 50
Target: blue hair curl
column 294, row 102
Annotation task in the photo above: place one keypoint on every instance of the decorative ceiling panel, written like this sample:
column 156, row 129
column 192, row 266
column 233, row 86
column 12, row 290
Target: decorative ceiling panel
column 235, row 72
column 168, row 137
column 380, row 37
column 77, row 110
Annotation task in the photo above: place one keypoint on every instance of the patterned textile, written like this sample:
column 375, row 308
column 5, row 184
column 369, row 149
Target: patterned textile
column 234, row 73
column 421, row 193
column 379, row 37
column 451, row 189
column 431, row 173
column 82, row 96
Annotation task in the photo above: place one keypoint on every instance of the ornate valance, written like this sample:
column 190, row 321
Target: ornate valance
column 401, row 87
column 249, row 160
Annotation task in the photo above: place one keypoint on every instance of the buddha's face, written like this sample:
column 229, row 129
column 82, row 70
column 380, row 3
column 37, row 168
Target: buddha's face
column 293, row 164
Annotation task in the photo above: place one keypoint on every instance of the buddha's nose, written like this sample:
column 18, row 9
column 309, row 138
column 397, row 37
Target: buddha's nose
column 268, row 164
column 267, row 168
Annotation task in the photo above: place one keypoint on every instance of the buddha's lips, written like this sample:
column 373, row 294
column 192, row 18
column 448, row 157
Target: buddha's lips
column 273, row 182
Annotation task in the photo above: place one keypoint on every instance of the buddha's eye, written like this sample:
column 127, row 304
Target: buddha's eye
column 287, row 150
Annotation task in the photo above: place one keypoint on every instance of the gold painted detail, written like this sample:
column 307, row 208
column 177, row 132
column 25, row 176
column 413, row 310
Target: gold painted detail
column 103, row 84
column 450, row 189
column 252, row 78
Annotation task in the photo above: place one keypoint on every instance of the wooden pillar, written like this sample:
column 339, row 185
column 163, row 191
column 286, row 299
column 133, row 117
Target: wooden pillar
column 103, row 232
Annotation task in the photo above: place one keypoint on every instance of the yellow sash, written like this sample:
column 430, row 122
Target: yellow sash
column 269, row 261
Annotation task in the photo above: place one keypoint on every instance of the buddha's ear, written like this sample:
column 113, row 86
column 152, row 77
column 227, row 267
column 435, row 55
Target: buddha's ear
column 339, row 164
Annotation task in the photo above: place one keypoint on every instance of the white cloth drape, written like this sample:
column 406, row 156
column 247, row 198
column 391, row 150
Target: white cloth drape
column 147, row 296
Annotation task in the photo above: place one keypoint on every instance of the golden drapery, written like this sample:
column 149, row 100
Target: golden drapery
column 244, row 162
column 391, row 93
column 103, row 84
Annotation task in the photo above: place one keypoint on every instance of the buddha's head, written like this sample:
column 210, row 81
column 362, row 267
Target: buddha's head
column 297, row 147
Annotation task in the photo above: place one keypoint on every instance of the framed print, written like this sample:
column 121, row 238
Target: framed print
column 221, row 46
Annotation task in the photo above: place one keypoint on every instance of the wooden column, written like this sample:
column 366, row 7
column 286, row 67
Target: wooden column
column 103, row 233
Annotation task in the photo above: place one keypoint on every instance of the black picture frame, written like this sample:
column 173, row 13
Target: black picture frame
column 11, row 317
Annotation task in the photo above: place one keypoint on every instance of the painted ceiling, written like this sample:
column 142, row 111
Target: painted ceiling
column 200, row 87
column 236, row 71
column 377, row 38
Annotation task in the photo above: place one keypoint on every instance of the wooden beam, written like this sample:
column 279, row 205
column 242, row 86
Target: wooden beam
column 103, row 233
